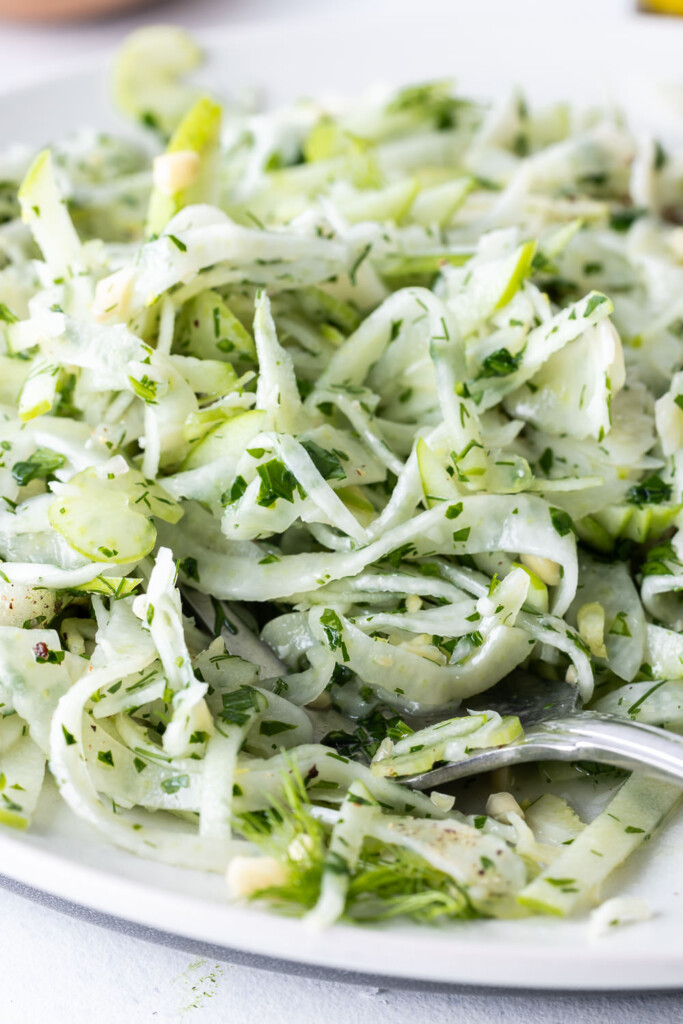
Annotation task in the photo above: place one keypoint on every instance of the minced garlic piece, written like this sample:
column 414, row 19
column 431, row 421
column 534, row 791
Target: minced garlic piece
column 502, row 805
column 247, row 875
column 174, row 172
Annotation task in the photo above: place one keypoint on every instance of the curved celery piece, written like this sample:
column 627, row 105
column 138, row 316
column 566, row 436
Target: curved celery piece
column 208, row 329
column 198, row 132
column 206, row 376
column 436, row 483
column 321, row 307
column 102, row 526
column 326, row 140
column 491, row 286
column 43, row 209
column 594, row 534
column 13, row 375
column 438, row 204
column 22, row 767
column 148, row 76
column 630, row 818
column 227, row 440
column 553, row 243
column 638, row 523
column 391, row 203
column 38, row 393
column 397, row 267
column 537, row 594
column 450, row 740
column 109, row 520
column 146, row 495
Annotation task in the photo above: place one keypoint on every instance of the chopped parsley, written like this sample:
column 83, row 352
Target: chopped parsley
column 39, row 466
column 327, row 463
column 276, row 482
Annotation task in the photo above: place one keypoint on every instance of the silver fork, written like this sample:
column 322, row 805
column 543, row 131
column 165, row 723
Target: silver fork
column 556, row 729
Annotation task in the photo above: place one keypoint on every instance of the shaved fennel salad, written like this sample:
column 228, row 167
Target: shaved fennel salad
column 403, row 377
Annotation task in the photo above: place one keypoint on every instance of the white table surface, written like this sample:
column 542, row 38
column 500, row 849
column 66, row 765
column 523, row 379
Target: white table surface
column 54, row 969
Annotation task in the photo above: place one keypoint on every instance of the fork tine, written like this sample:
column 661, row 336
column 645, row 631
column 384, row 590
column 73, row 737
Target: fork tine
column 529, row 697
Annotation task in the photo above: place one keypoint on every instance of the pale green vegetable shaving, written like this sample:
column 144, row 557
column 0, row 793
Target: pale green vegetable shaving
column 398, row 373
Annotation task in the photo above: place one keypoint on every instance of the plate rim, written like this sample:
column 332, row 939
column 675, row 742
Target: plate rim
column 340, row 948
column 114, row 897
column 299, row 969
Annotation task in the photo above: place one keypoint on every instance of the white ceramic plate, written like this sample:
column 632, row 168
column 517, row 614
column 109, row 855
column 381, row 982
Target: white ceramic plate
column 582, row 50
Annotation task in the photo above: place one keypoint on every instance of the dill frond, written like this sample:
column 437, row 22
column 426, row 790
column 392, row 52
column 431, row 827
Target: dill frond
column 288, row 831
column 393, row 882
column 388, row 882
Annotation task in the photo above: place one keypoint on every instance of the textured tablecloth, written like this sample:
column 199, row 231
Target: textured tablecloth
column 55, row 970
column 58, row 970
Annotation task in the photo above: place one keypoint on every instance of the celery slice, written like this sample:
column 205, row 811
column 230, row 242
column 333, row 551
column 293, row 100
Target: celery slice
column 631, row 817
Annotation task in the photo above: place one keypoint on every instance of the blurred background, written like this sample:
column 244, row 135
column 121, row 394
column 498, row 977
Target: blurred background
column 74, row 10
column 41, row 38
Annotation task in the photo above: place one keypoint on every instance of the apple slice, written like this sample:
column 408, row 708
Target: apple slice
column 490, row 286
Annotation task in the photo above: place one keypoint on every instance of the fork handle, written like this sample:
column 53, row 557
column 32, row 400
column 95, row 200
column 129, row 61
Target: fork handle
column 589, row 736
column 608, row 739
